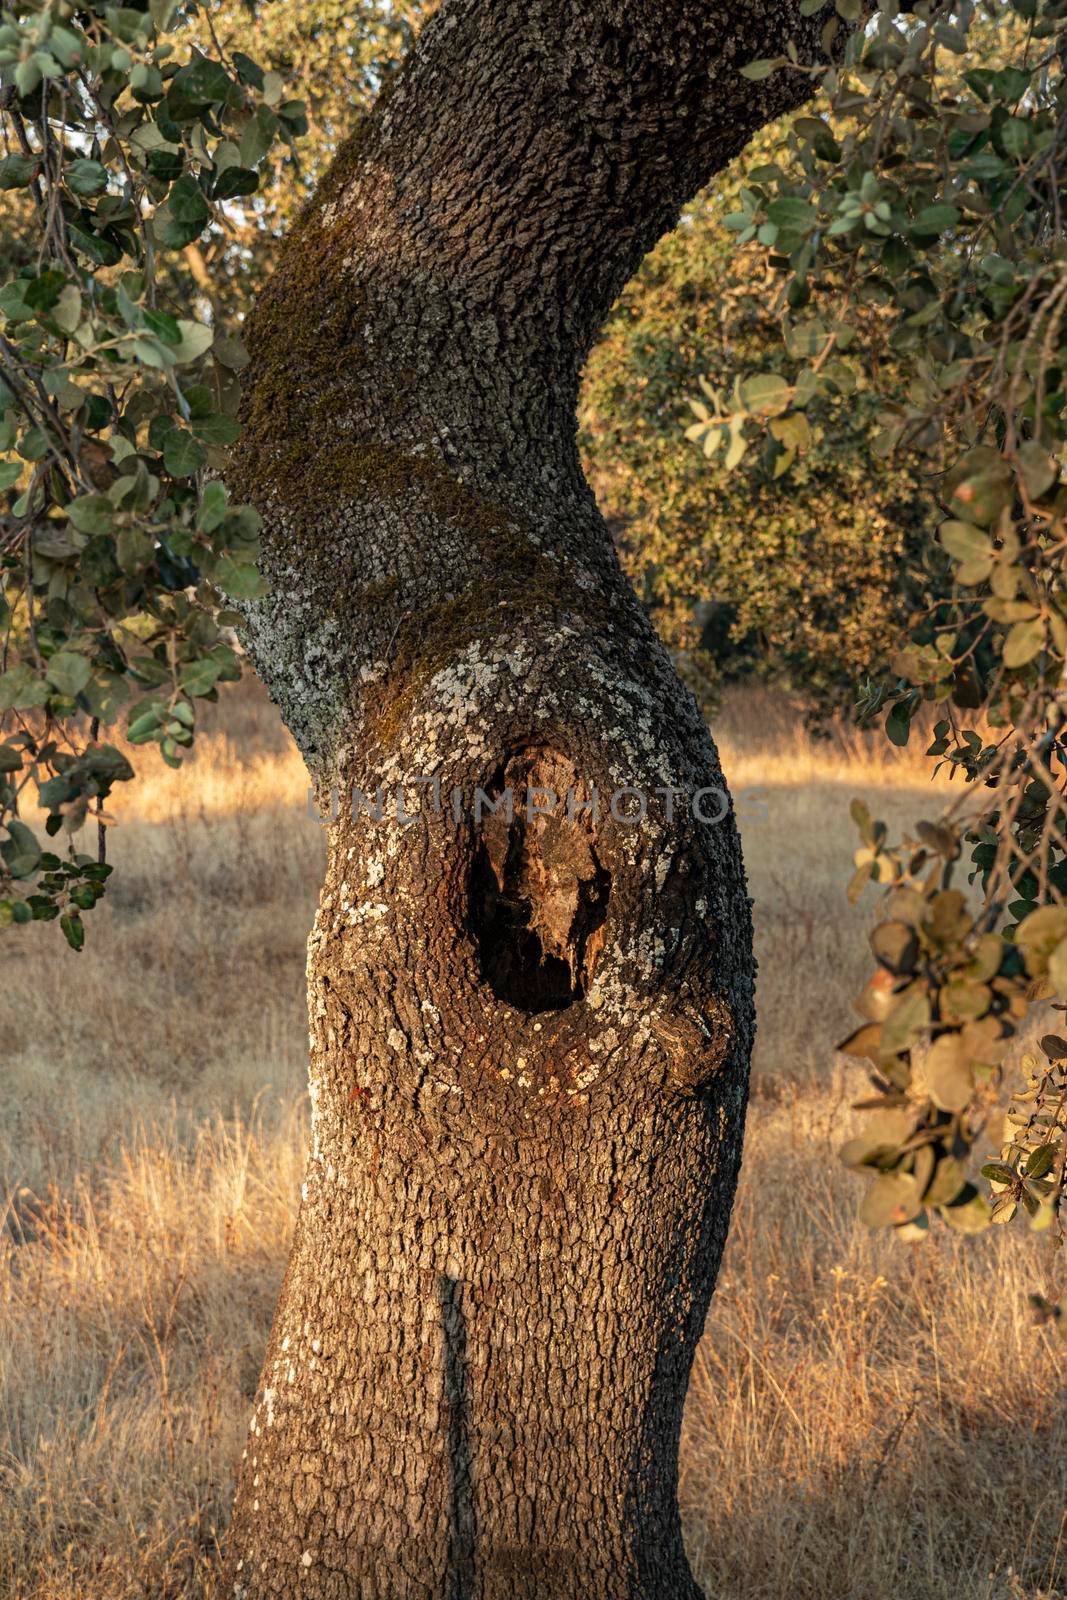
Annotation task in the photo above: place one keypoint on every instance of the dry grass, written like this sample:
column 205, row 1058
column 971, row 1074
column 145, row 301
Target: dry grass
column 866, row 1419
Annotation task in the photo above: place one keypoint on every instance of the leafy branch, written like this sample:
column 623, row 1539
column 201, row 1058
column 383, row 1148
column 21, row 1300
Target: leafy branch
column 920, row 197
column 121, row 556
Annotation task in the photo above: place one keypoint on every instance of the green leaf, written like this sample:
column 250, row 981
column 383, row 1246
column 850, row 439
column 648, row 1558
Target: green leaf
column 186, row 201
column 898, row 724
column 105, row 695
column 184, row 215
column 68, row 48
column 230, row 352
column 1040, row 1161
column 217, row 429
column 964, row 541
column 144, row 726
column 20, row 850
column 33, row 445
column 73, row 930
column 766, row 393
column 1015, row 136
column 204, row 82
column 165, row 326
column 1023, row 642
column 980, row 485
column 1039, row 471
column 969, row 1213
column 951, row 38
column 195, row 340
column 102, row 252
column 153, row 352
column 1011, row 83
column 793, row 214
column 214, row 503
column 146, row 83
column 68, row 671
column 971, row 547
column 165, row 163
column 134, row 549
column 736, row 448
column 234, row 181
column 806, row 339
column 293, row 115
column 85, row 177
column 16, row 171
column 13, row 304
column 247, row 70
column 182, row 454
column 130, row 312
column 27, row 77
column 946, row 1072
column 792, row 431
column 932, row 220
column 997, row 1172
column 92, row 513
column 906, row 1022
column 258, row 136
column 67, row 311
column 892, row 1198
column 200, row 677
column 21, row 688
column 756, row 71
column 240, row 580
column 43, row 292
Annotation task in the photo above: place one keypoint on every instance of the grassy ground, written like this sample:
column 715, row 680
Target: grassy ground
column 866, row 1420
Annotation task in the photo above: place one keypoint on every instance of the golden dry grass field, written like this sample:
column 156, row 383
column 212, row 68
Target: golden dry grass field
column 867, row 1419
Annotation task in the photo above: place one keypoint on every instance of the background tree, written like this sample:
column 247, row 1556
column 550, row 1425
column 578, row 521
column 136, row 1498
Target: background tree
column 806, row 581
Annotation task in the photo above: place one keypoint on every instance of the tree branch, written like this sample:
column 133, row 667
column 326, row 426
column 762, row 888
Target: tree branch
column 416, row 358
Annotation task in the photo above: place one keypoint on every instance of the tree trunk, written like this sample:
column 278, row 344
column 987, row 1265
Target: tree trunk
column 530, row 1020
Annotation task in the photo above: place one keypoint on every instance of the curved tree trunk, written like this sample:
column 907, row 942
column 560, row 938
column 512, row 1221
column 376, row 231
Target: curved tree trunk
column 530, row 1029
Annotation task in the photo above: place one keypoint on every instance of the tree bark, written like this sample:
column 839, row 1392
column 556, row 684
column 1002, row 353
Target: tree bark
column 529, row 1033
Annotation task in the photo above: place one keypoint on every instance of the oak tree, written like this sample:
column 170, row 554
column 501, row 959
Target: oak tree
column 530, row 978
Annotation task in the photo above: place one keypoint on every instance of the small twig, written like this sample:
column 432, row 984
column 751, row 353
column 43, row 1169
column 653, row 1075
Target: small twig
column 101, row 831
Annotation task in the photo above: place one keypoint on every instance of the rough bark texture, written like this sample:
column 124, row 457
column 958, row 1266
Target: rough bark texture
column 529, row 1035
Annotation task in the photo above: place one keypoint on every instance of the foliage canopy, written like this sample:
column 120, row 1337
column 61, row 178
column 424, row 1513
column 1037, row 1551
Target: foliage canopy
column 807, row 581
column 921, row 194
column 150, row 161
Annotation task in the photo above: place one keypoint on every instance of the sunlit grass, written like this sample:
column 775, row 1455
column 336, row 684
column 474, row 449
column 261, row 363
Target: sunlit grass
column 866, row 1420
